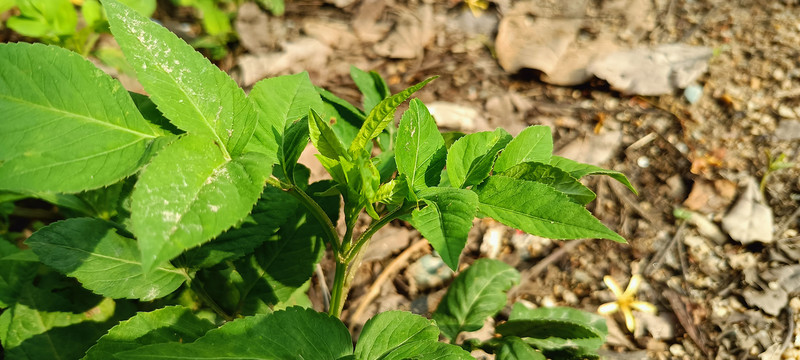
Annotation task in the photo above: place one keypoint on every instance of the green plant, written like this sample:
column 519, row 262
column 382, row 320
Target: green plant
column 56, row 21
column 190, row 205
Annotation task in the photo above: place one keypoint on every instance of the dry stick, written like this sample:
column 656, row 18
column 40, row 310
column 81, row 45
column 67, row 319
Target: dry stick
column 787, row 340
column 656, row 261
column 395, row 266
column 685, row 319
column 323, row 287
column 628, row 200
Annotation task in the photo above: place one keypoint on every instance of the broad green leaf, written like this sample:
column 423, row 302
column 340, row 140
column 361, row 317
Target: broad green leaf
column 194, row 94
column 294, row 141
column 420, row 150
column 72, row 120
column 41, row 326
column 144, row 7
column 294, row 333
column 381, row 115
column 371, row 86
column 103, row 260
column 579, row 170
column 450, row 137
column 323, row 137
column 280, row 101
column 392, row 192
column 150, row 112
column 273, row 273
column 273, row 209
column 514, row 348
column 446, row 220
column 477, row 293
column 553, row 177
column 389, row 330
column 215, row 20
column 402, row 335
column 470, row 158
column 14, row 274
column 190, row 193
column 168, row 324
column 5, row 5
column 347, row 118
column 428, row 350
column 535, row 143
column 539, row 209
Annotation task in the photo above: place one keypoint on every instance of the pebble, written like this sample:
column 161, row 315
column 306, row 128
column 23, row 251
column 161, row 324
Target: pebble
column 693, row 93
column 677, row 350
column 786, row 112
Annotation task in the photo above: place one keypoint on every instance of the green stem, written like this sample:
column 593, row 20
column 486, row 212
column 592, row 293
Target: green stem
column 339, row 290
column 319, row 214
column 373, row 228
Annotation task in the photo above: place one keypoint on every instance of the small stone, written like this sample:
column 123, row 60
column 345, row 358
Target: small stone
column 786, row 112
column 677, row 350
column 778, row 74
column 569, row 297
column 693, row 93
column 643, row 162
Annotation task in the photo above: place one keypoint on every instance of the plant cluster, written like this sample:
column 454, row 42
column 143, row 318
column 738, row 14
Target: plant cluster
column 189, row 205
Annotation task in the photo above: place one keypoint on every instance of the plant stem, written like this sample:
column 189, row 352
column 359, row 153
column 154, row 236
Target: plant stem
column 319, row 214
column 340, row 290
column 373, row 228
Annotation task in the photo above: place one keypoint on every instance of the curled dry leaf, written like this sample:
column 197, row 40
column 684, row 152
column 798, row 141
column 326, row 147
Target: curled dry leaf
column 413, row 32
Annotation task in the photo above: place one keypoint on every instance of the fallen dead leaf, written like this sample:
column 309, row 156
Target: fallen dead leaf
column 387, row 241
column 305, row 54
column 366, row 25
column 750, row 219
column 652, row 71
column 335, row 34
column 252, row 24
column 594, row 149
column 771, row 301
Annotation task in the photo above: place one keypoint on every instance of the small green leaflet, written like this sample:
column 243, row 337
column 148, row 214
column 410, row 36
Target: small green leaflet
column 477, row 293
column 194, row 94
column 293, row 142
column 46, row 19
column 446, row 220
column 190, row 193
column 371, row 85
column 55, row 115
column 514, row 348
column 532, row 144
column 470, row 158
column 168, row 324
column 387, row 331
column 579, row 170
column 323, row 137
column 566, row 329
column 382, row 115
column 538, row 209
column 420, row 150
column 104, row 261
column 280, row 101
column 553, row 177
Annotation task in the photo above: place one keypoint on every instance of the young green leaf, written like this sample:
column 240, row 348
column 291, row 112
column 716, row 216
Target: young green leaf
column 323, row 137
column 446, row 220
column 14, row 274
column 190, row 193
column 390, row 330
column 514, row 348
column 532, row 144
column 165, row 325
column 420, row 147
column 477, row 293
column 104, row 261
column 470, row 158
column 293, row 142
column 47, row 19
column 382, row 115
column 294, row 333
column 371, row 85
column 579, row 170
column 194, row 94
column 551, row 176
column 72, row 120
column 347, row 118
column 280, row 101
column 539, row 209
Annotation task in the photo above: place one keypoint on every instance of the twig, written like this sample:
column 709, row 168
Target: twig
column 393, row 268
column 659, row 256
column 787, row 340
column 685, row 319
column 323, row 288
column 626, row 198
